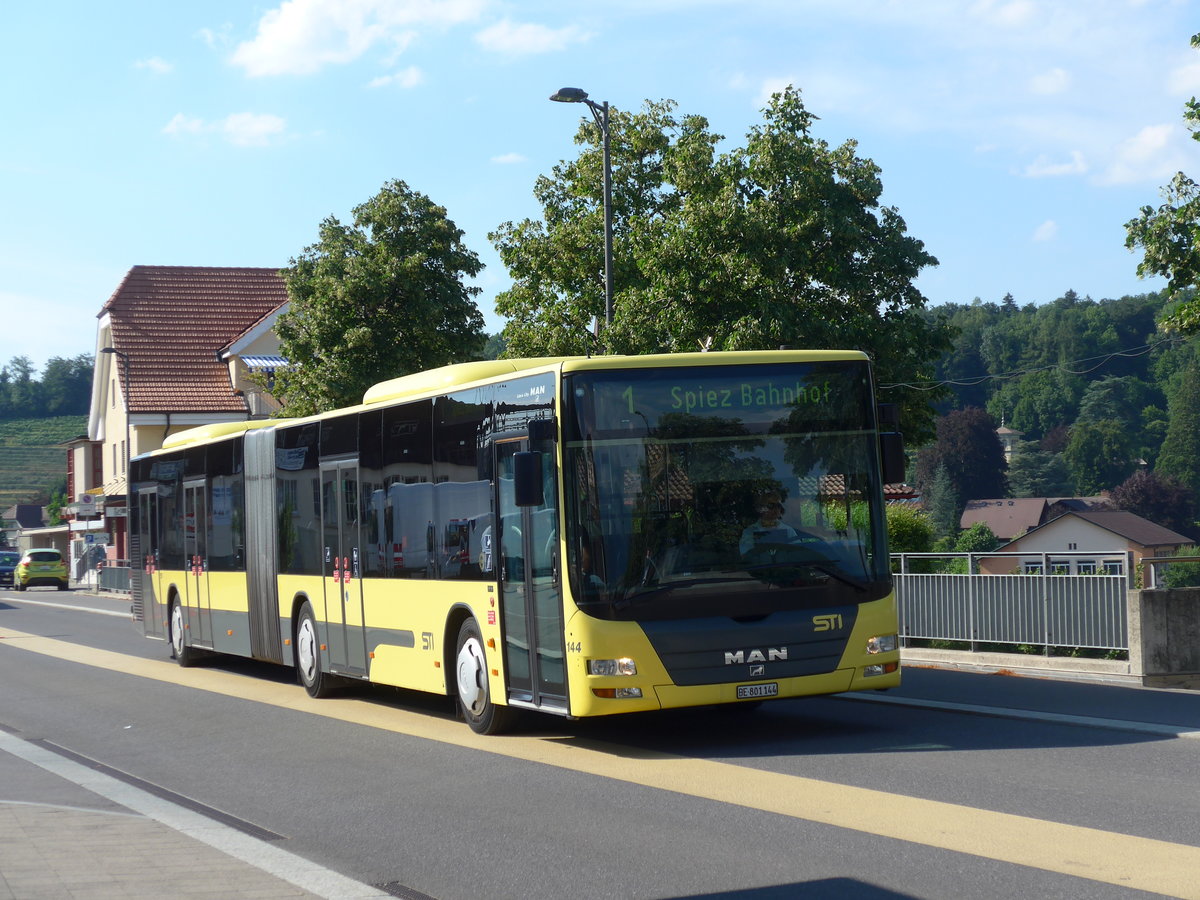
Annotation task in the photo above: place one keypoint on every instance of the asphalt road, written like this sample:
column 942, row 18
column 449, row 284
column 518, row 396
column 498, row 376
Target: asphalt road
column 957, row 785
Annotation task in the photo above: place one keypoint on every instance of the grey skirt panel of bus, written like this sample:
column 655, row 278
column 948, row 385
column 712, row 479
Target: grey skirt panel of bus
column 261, row 546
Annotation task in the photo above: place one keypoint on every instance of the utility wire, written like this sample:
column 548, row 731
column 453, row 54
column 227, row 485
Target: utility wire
column 1065, row 367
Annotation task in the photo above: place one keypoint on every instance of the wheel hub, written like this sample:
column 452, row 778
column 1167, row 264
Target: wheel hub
column 471, row 684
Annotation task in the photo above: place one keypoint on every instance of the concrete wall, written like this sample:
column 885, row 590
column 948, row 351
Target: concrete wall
column 1164, row 636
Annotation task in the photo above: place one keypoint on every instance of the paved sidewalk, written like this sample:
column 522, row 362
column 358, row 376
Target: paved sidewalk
column 54, row 852
column 68, row 832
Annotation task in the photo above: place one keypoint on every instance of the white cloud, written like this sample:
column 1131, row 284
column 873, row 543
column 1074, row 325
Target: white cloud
column 771, row 86
column 1185, row 80
column 215, row 38
column 155, row 64
column 303, row 36
column 182, row 124
column 508, row 159
column 1043, row 167
column 1054, row 81
column 1152, row 154
column 405, row 78
column 252, row 129
column 1047, row 231
column 507, row 37
column 1005, row 13
column 240, row 129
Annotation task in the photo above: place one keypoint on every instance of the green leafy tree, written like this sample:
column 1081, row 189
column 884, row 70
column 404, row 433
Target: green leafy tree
column 1034, row 472
column 781, row 241
column 377, row 299
column 1120, row 398
column 1099, row 455
column 1181, row 575
column 1038, row 402
column 1180, row 454
column 943, row 504
column 909, row 530
column 67, row 385
column 979, row 538
column 1170, row 235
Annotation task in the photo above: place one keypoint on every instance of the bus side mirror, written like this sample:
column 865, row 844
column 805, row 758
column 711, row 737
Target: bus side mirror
column 891, row 456
column 527, row 478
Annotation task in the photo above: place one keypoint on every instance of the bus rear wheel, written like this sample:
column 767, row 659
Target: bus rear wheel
column 308, row 656
column 471, row 681
column 180, row 651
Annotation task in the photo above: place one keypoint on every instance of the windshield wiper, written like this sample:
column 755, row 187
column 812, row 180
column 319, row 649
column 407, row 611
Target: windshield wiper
column 636, row 596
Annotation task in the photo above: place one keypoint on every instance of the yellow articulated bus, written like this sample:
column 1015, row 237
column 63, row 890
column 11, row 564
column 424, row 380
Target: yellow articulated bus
column 579, row 536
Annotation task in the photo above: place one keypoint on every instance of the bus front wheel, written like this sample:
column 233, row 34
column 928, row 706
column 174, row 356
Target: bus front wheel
column 471, row 680
column 308, row 656
column 180, row 651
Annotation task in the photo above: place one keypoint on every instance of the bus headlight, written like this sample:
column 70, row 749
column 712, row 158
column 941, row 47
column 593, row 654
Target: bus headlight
column 881, row 643
column 623, row 666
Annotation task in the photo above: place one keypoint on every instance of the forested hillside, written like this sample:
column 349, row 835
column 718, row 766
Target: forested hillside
column 36, row 415
column 32, row 466
column 1098, row 391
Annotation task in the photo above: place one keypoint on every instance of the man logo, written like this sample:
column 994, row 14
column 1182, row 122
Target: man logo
column 738, row 657
column 757, row 670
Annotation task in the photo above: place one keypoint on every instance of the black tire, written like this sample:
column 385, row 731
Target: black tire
column 181, row 652
column 319, row 684
column 62, row 585
column 19, row 586
column 471, row 684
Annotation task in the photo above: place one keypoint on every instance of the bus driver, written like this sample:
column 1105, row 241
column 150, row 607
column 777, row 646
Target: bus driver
column 768, row 529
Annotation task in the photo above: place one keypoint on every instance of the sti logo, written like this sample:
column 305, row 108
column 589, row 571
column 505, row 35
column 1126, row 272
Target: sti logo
column 827, row 622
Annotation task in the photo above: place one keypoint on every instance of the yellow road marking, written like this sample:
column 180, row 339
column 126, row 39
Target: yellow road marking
column 1133, row 862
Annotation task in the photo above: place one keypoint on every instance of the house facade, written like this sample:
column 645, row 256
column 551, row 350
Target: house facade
column 1090, row 542
column 171, row 350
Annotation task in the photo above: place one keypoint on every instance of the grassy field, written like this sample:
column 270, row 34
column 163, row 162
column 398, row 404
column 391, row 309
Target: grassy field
column 30, row 463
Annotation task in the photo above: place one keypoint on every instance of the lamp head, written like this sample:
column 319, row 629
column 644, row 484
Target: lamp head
column 569, row 95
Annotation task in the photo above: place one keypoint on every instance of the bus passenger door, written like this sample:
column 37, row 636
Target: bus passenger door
column 340, row 517
column 145, row 567
column 530, row 587
column 195, row 549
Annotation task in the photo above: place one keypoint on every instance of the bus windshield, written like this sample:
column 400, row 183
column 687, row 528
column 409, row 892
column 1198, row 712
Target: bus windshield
column 723, row 490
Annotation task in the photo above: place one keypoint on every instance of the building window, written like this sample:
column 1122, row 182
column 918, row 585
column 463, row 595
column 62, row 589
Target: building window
column 1031, row 568
column 1060, row 568
column 1113, row 567
column 1087, row 567
column 124, row 459
column 1072, row 546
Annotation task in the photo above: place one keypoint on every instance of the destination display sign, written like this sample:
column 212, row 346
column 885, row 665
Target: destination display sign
column 800, row 395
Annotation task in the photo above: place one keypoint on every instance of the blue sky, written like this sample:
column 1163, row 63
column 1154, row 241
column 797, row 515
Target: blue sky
column 1016, row 137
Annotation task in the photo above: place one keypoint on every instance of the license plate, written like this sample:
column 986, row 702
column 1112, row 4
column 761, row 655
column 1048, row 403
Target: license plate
column 750, row 691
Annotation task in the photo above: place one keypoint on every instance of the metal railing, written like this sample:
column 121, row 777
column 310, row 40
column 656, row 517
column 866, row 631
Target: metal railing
column 1152, row 569
column 114, row 576
column 1059, row 600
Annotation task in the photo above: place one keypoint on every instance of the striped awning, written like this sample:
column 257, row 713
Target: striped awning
column 264, row 363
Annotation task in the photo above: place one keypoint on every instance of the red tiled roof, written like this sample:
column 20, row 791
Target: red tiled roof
column 172, row 321
column 1133, row 527
column 1008, row 517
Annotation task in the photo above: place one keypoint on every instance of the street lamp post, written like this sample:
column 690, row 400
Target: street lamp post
column 600, row 114
column 124, row 358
